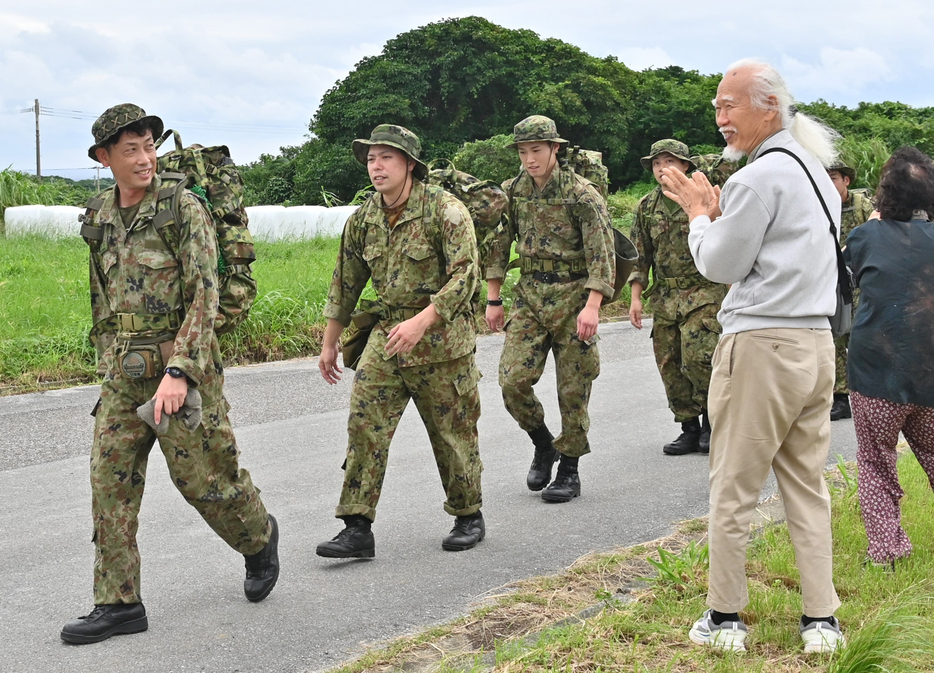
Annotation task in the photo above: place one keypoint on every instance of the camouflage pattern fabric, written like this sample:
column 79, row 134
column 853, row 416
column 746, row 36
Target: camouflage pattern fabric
column 203, row 466
column 535, row 128
column 447, row 397
column 429, row 255
column 567, row 220
column 133, row 272
column 685, row 330
column 396, row 136
column 544, row 318
column 213, row 175
column 675, row 148
column 116, row 118
column 715, row 167
column 854, row 212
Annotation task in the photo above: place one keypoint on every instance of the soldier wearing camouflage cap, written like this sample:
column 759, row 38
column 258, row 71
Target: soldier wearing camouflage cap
column 415, row 243
column 561, row 228
column 684, row 303
column 153, row 311
column 856, row 208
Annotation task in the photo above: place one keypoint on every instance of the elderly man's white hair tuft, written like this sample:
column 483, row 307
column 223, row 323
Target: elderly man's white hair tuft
column 814, row 136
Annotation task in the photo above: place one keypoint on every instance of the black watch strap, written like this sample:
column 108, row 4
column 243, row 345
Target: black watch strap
column 175, row 372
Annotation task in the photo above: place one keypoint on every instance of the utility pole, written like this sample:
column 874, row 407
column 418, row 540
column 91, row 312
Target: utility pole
column 38, row 161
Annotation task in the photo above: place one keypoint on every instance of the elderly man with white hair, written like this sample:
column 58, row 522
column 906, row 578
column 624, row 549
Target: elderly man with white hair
column 767, row 235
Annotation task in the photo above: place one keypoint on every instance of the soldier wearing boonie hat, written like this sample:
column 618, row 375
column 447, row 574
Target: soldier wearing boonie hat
column 152, row 311
column 416, row 244
column 856, row 207
column 684, row 303
column 561, row 228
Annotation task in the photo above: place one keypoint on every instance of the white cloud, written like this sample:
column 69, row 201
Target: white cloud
column 838, row 71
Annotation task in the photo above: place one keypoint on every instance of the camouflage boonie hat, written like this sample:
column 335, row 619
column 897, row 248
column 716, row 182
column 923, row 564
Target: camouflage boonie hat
column 675, row 148
column 843, row 169
column 394, row 136
column 119, row 117
column 536, row 128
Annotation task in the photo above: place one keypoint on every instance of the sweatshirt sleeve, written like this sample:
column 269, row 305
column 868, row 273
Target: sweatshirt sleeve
column 725, row 249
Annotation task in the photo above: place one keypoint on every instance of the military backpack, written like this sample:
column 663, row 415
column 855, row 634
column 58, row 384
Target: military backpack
column 589, row 165
column 485, row 200
column 210, row 173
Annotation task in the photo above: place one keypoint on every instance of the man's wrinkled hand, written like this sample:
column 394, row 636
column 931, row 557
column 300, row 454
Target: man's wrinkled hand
column 327, row 364
column 170, row 396
column 404, row 336
column 495, row 317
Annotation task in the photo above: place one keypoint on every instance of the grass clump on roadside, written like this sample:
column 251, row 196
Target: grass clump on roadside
column 631, row 610
column 22, row 189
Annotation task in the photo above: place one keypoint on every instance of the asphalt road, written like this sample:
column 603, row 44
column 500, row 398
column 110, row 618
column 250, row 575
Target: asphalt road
column 292, row 434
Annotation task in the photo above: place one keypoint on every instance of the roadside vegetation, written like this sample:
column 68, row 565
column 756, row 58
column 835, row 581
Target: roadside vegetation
column 630, row 610
column 22, row 189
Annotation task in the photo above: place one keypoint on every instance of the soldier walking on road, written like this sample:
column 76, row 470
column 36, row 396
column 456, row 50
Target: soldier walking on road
column 564, row 239
column 416, row 243
column 153, row 311
column 857, row 208
column 685, row 330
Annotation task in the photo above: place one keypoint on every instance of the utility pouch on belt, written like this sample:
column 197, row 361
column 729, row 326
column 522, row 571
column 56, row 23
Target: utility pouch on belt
column 143, row 359
column 355, row 342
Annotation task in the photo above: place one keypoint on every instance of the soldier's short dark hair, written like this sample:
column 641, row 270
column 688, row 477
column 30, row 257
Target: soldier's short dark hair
column 907, row 185
column 137, row 128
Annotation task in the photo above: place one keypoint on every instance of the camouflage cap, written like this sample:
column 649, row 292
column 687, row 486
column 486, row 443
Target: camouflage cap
column 394, row 136
column 119, row 117
column 536, row 128
column 843, row 169
column 675, row 148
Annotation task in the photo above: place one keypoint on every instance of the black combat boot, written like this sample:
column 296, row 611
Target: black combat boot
column 841, row 407
column 703, row 443
column 467, row 532
column 105, row 621
column 262, row 568
column 567, row 483
column 688, row 441
column 355, row 541
column 545, row 457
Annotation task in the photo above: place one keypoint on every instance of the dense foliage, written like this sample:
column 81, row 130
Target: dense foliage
column 469, row 81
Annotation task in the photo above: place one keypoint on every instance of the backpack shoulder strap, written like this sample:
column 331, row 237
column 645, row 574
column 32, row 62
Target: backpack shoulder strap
column 843, row 276
column 91, row 231
column 167, row 220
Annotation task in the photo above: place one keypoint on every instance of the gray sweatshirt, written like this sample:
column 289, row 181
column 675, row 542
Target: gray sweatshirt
column 772, row 243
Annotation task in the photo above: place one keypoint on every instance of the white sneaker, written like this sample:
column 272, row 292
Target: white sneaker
column 725, row 636
column 824, row 636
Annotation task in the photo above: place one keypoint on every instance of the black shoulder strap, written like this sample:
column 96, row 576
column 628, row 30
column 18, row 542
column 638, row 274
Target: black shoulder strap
column 843, row 275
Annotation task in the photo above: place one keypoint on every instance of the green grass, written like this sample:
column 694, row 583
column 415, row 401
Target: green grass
column 45, row 315
column 21, row 189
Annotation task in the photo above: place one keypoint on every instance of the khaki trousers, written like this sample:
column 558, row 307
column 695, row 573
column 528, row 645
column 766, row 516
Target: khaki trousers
column 770, row 396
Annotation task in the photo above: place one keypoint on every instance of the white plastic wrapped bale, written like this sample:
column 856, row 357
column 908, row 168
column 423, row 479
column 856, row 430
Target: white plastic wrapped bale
column 54, row 221
column 263, row 221
column 332, row 222
column 300, row 222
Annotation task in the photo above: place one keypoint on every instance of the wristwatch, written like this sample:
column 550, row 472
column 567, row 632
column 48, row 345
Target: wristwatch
column 175, row 372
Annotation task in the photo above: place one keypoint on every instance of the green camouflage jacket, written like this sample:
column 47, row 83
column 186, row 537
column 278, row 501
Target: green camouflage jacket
column 566, row 220
column 660, row 233
column 854, row 212
column 134, row 272
column 430, row 256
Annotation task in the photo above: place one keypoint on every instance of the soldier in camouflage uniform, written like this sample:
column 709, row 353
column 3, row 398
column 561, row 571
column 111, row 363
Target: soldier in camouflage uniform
column 857, row 208
column 153, row 310
column 685, row 330
column 564, row 239
column 416, row 244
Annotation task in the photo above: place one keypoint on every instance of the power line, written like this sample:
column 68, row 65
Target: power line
column 230, row 126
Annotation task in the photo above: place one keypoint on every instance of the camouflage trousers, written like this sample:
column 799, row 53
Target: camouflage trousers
column 685, row 333
column 840, row 384
column 202, row 464
column 544, row 319
column 447, row 397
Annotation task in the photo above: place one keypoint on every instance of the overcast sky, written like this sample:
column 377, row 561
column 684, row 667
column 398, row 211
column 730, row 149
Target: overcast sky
column 251, row 74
